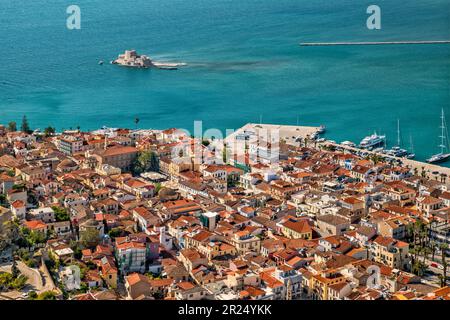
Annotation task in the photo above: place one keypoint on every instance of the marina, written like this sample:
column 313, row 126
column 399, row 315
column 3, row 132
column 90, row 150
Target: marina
column 433, row 169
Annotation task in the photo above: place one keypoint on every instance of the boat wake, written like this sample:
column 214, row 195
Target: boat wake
column 168, row 65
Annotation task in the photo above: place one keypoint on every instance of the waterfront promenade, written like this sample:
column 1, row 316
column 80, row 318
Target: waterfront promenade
column 428, row 167
column 285, row 132
column 291, row 134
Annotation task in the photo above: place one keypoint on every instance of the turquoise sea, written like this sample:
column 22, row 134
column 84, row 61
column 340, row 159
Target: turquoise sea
column 243, row 60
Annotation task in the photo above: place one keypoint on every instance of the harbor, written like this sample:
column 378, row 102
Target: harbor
column 432, row 169
column 292, row 135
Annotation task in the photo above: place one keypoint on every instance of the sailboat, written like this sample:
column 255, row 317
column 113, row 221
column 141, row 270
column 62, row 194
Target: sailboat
column 411, row 154
column 441, row 157
column 397, row 151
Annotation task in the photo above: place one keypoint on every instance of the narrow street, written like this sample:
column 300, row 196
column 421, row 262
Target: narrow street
column 37, row 281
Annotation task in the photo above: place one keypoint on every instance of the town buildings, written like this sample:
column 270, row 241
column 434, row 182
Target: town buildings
column 310, row 223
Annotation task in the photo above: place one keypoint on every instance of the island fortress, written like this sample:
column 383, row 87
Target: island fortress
column 131, row 59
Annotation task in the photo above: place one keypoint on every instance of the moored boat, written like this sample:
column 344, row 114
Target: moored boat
column 372, row 141
column 441, row 156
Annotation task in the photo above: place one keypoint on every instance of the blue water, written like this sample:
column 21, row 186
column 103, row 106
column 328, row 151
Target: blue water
column 243, row 60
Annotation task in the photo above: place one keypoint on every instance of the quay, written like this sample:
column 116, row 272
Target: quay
column 376, row 43
column 413, row 164
column 287, row 133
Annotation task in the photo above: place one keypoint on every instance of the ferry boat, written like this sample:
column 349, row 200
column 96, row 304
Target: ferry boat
column 441, row 156
column 372, row 141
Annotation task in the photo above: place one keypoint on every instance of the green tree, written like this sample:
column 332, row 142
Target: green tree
column 3, row 200
column 61, row 214
column 12, row 126
column 158, row 187
column 19, row 282
column 11, row 232
column 89, row 238
column 444, row 248
column 136, row 121
column 154, row 162
column 114, row 232
column 47, row 295
column 9, row 281
column 146, row 161
column 25, row 127
column 49, row 131
column 14, row 269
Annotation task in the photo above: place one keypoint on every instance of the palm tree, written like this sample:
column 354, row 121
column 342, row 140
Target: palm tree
column 433, row 249
column 444, row 248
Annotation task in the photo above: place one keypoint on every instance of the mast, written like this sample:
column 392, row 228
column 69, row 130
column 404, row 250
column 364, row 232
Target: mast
column 411, row 146
column 442, row 136
column 398, row 133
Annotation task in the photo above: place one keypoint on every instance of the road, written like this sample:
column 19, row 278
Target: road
column 36, row 281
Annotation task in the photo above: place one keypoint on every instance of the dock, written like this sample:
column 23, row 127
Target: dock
column 373, row 43
column 427, row 167
column 285, row 132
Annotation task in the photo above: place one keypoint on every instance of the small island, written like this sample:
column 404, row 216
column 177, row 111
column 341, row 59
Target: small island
column 133, row 60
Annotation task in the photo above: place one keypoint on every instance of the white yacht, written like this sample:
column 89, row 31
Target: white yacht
column 372, row 141
column 411, row 154
column 397, row 151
